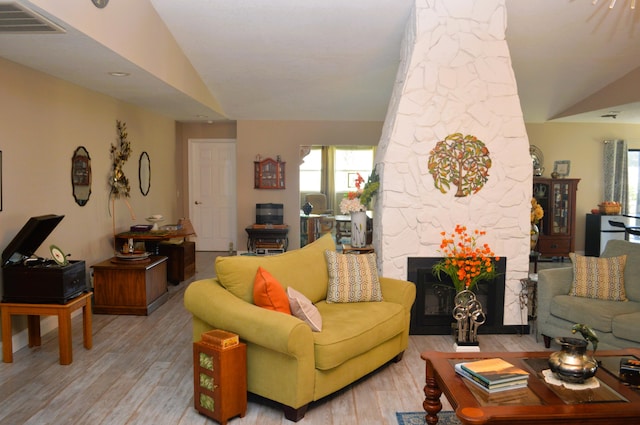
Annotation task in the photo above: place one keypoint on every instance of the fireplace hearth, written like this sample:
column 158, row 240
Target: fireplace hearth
column 432, row 312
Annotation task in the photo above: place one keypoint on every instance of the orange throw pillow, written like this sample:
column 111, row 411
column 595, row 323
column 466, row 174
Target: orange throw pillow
column 268, row 292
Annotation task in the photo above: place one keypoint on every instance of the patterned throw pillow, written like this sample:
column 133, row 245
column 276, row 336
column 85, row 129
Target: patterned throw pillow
column 304, row 309
column 352, row 278
column 268, row 292
column 601, row 278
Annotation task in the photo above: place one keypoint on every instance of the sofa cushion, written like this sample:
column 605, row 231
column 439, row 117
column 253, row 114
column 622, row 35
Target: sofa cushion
column 615, row 248
column 305, row 269
column 601, row 278
column 625, row 326
column 303, row 309
column 349, row 330
column 598, row 314
column 268, row 292
column 352, row 278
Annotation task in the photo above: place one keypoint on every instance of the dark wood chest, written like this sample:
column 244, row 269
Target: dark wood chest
column 43, row 283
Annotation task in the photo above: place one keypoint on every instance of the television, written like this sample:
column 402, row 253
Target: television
column 269, row 213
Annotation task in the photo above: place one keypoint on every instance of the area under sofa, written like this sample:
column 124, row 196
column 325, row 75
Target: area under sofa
column 286, row 361
column 615, row 322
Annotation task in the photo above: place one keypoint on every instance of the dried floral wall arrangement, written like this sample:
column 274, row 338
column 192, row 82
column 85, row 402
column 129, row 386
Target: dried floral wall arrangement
column 120, row 153
column 461, row 161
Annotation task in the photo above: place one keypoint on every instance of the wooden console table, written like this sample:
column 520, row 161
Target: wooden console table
column 34, row 311
column 130, row 287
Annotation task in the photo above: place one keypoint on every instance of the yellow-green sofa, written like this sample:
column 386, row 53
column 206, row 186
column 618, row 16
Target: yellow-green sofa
column 286, row 361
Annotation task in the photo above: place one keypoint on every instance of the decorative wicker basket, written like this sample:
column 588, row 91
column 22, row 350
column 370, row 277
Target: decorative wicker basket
column 610, row 209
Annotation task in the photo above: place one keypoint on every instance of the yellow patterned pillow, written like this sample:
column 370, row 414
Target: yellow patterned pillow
column 601, row 278
column 352, row 278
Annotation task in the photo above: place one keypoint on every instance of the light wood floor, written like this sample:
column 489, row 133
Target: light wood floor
column 140, row 372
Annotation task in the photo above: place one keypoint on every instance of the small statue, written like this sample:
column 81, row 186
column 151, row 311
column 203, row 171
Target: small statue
column 587, row 333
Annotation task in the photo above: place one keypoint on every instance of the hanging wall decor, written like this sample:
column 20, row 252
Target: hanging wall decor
column 462, row 161
column 120, row 154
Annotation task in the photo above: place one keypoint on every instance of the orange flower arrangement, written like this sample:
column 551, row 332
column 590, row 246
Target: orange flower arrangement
column 465, row 262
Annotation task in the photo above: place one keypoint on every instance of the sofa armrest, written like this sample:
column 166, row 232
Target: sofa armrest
column 552, row 282
column 398, row 291
column 280, row 332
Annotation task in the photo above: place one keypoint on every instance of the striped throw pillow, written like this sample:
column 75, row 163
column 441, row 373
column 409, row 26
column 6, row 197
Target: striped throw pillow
column 601, row 278
column 352, row 278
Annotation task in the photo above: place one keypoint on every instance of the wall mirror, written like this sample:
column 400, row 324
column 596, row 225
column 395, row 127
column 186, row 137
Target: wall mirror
column 144, row 173
column 81, row 175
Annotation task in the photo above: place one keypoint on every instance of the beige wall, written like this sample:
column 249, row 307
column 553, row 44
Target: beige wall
column 284, row 138
column 582, row 144
column 43, row 120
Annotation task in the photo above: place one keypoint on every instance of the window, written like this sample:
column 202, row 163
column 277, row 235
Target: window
column 634, row 181
column 311, row 171
column 349, row 162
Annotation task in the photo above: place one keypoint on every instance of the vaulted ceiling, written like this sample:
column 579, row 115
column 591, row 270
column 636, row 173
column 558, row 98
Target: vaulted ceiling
column 331, row 59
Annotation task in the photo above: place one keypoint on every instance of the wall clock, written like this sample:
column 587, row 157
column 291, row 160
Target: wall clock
column 101, row 4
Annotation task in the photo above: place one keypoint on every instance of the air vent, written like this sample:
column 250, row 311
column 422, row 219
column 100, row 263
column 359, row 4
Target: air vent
column 17, row 19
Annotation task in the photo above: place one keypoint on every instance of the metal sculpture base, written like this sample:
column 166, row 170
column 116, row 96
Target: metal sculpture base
column 469, row 316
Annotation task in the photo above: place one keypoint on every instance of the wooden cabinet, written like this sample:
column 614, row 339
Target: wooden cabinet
column 220, row 381
column 130, row 287
column 182, row 260
column 268, row 174
column 558, row 226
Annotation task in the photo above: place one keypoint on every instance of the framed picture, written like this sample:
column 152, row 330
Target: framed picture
column 562, row 168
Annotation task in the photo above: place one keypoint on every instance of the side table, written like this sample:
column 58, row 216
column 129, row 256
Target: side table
column 34, row 311
column 220, row 381
column 130, row 287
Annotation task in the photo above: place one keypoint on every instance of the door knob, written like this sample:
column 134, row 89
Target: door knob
column 198, row 203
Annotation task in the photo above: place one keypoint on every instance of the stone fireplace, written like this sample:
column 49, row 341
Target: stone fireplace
column 455, row 76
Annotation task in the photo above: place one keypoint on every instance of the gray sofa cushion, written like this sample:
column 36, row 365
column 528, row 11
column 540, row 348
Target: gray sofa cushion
column 598, row 314
column 615, row 248
column 626, row 326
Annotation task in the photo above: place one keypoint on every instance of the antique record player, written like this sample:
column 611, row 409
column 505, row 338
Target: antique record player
column 31, row 279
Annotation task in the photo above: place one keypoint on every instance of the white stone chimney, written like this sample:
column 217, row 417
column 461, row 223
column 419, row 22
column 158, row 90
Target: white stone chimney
column 455, row 76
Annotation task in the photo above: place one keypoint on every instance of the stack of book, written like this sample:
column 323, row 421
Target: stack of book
column 493, row 375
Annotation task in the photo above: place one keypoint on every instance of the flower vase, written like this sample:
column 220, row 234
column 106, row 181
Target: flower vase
column 358, row 229
column 535, row 234
column 469, row 316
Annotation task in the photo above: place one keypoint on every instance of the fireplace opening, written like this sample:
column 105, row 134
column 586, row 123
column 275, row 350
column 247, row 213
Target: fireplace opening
column 432, row 312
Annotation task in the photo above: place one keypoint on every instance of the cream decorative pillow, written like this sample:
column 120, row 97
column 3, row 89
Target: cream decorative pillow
column 352, row 278
column 601, row 278
column 304, row 309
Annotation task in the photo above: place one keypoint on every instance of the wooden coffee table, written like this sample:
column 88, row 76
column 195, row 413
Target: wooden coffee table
column 539, row 403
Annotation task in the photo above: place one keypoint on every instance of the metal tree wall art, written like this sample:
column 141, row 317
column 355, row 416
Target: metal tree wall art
column 461, row 161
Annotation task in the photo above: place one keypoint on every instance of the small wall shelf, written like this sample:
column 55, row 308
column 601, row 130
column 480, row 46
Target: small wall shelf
column 268, row 174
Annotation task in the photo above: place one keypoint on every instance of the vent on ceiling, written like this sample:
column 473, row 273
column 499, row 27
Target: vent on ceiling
column 18, row 19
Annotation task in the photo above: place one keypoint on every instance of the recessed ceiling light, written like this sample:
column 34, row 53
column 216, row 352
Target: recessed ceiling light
column 119, row 74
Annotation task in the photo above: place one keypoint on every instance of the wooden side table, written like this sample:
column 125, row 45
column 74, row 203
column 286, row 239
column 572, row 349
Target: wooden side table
column 130, row 287
column 34, row 311
column 220, row 381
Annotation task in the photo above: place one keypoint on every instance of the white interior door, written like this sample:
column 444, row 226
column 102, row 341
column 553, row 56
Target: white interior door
column 212, row 192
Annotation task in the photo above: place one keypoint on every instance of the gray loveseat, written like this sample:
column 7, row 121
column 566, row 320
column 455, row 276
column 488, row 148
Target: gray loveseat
column 617, row 323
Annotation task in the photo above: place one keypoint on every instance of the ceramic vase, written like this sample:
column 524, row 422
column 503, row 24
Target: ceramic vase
column 358, row 229
column 572, row 363
column 469, row 316
column 307, row 208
